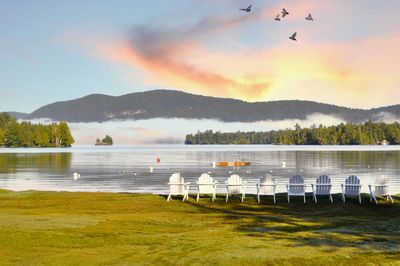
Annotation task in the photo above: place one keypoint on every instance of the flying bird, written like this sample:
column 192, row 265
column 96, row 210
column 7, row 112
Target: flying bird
column 293, row 37
column 309, row 17
column 284, row 13
column 248, row 9
column 277, row 18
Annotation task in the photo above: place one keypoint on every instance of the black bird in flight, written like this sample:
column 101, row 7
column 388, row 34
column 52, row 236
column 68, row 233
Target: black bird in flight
column 293, row 37
column 309, row 17
column 277, row 18
column 284, row 13
column 248, row 9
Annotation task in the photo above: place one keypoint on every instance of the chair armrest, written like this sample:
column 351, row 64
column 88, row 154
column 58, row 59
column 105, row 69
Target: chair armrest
column 312, row 187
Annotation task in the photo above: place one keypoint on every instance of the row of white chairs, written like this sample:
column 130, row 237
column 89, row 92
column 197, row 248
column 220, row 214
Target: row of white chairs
column 266, row 186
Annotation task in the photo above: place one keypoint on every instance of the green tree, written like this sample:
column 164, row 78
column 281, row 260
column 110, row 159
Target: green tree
column 65, row 137
column 107, row 140
column 1, row 137
column 12, row 135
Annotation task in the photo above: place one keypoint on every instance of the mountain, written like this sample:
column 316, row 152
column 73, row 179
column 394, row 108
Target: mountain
column 176, row 104
column 18, row 115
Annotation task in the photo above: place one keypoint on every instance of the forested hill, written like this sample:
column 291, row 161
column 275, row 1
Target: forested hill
column 176, row 104
column 26, row 134
column 344, row 134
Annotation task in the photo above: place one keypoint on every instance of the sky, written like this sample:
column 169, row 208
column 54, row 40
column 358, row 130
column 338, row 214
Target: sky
column 59, row 50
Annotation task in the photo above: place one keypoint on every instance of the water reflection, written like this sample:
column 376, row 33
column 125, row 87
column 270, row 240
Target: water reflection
column 128, row 168
column 48, row 162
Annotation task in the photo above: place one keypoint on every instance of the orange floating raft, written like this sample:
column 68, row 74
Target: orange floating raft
column 234, row 164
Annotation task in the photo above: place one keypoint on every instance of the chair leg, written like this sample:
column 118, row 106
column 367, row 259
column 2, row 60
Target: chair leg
column 274, row 199
column 375, row 199
column 315, row 198
column 343, row 198
column 198, row 196
column 169, row 197
column 304, row 198
column 391, row 199
column 184, row 197
column 242, row 197
column 288, row 198
column 227, row 195
column 213, row 198
column 330, row 196
column 359, row 198
column 258, row 198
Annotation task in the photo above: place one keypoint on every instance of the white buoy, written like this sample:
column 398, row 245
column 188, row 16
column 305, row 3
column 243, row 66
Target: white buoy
column 76, row 176
column 135, row 174
column 151, row 169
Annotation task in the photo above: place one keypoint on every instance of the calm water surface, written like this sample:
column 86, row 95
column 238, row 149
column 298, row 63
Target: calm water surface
column 126, row 169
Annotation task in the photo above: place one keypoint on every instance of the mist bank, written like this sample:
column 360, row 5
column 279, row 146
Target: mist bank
column 174, row 131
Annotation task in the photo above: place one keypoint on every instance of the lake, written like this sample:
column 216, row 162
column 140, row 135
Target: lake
column 127, row 168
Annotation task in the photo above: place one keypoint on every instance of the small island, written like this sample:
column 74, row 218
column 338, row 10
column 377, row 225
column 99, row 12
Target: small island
column 106, row 141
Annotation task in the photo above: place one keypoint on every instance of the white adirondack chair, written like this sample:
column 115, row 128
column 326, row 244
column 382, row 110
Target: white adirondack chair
column 235, row 186
column 380, row 189
column 321, row 187
column 352, row 187
column 178, row 187
column 296, row 187
column 266, row 186
column 206, row 185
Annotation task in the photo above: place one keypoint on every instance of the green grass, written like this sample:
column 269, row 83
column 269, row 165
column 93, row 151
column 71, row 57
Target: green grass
column 41, row 228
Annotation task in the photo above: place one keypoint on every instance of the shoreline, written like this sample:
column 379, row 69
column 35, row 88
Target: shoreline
column 216, row 148
column 191, row 195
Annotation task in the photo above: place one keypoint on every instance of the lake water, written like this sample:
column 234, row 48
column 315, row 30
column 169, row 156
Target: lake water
column 126, row 169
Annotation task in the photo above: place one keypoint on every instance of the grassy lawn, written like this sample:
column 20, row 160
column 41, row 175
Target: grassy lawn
column 38, row 228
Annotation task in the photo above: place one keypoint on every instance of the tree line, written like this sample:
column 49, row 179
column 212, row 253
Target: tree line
column 26, row 134
column 368, row 133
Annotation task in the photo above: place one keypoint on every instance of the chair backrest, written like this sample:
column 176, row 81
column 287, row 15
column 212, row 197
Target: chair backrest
column 205, row 184
column 176, row 184
column 349, row 188
column 323, row 185
column 234, row 184
column 382, row 186
column 267, row 185
column 296, row 184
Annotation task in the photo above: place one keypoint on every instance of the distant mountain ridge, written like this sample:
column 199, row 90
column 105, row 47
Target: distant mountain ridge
column 177, row 104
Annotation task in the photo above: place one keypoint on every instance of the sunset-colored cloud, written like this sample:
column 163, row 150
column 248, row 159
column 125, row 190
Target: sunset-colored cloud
column 343, row 72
